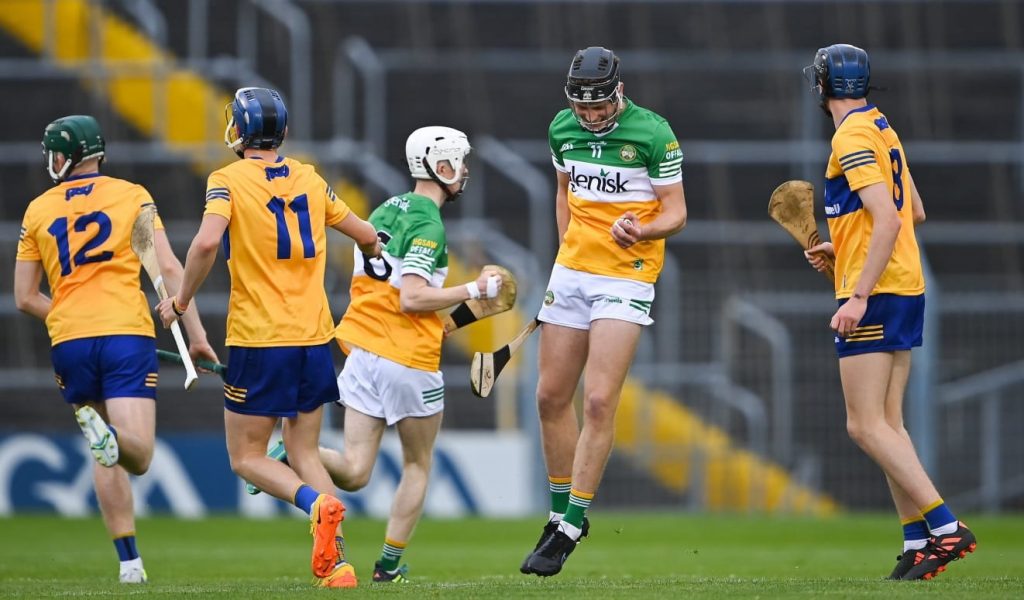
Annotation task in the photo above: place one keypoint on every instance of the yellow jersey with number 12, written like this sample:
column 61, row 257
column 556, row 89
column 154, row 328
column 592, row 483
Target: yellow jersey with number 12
column 275, row 246
column 81, row 232
column 865, row 151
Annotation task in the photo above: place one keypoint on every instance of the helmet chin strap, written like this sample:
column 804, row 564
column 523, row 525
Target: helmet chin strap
column 59, row 175
column 236, row 144
column 608, row 123
column 449, row 196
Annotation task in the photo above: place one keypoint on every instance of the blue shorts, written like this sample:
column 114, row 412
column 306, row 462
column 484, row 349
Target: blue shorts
column 281, row 381
column 111, row 366
column 890, row 323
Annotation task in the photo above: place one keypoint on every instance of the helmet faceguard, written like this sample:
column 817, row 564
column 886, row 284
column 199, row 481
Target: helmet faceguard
column 78, row 138
column 256, row 119
column 839, row 71
column 427, row 147
column 593, row 81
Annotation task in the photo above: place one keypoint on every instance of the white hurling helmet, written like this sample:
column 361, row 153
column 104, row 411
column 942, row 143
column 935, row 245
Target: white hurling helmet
column 427, row 146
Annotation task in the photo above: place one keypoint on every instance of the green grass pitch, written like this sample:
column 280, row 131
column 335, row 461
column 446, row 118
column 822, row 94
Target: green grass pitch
column 629, row 555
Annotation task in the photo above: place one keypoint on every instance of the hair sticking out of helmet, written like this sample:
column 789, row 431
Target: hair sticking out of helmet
column 593, row 82
column 78, row 138
column 839, row 71
column 427, row 147
column 257, row 119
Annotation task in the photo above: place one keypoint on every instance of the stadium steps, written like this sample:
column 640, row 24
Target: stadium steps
column 147, row 72
column 731, row 474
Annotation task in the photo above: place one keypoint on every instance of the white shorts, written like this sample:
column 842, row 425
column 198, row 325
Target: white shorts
column 575, row 298
column 384, row 389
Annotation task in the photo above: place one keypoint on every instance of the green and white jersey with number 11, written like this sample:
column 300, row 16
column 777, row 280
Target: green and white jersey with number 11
column 609, row 174
column 414, row 241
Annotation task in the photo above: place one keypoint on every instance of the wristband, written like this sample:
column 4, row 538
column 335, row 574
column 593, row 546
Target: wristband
column 474, row 291
column 174, row 306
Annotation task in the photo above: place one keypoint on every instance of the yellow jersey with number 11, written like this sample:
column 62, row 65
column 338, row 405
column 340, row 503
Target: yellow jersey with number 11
column 275, row 246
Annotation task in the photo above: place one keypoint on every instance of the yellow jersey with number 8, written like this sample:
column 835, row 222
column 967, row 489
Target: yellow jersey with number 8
column 866, row 151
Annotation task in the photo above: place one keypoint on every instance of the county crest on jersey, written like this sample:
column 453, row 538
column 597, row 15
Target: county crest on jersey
column 610, row 174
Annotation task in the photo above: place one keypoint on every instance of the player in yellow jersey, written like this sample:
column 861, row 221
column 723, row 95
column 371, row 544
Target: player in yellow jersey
column 872, row 204
column 619, row 195
column 78, row 233
column 271, row 215
column 393, row 336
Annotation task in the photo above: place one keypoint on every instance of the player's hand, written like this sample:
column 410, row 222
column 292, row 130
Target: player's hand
column 815, row 255
column 201, row 349
column 626, row 230
column 488, row 283
column 846, row 319
column 165, row 309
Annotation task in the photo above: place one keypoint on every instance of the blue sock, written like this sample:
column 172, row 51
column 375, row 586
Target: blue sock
column 125, row 546
column 305, row 496
column 938, row 515
column 915, row 534
column 113, row 431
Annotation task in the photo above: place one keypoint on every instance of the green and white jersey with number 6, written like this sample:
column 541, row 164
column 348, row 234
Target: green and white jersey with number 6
column 414, row 241
column 609, row 174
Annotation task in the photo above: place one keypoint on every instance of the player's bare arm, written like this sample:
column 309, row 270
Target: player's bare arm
column 886, row 226
column 28, row 275
column 201, row 256
column 198, row 345
column 916, row 202
column 628, row 230
column 562, row 205
column 416, row 296
column 361, row 232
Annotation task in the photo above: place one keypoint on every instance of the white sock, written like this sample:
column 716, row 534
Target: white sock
column 135, row 563
column 554, row 517
column 946, row 529
column 570, row 530
column 914, row 544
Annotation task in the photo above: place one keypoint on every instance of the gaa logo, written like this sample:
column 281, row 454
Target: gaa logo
column 627, row 153
column 549, row 298
column 638, row 264
column 588, row 94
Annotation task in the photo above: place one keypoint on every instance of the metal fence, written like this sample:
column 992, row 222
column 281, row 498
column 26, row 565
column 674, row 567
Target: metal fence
column 740, row 334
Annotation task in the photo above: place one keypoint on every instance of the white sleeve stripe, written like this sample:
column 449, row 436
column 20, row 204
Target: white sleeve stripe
column 421, row 264
column 558, row 166
column 674, row 161
column 408, row 270
column 667, row 180
column 418, row 257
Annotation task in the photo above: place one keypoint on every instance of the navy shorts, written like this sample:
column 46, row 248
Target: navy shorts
column 890, row 323
column 281, row 381
column 111, row 366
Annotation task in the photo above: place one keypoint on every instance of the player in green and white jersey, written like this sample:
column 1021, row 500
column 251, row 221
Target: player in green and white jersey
column 393, row 336
column 620, row 194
